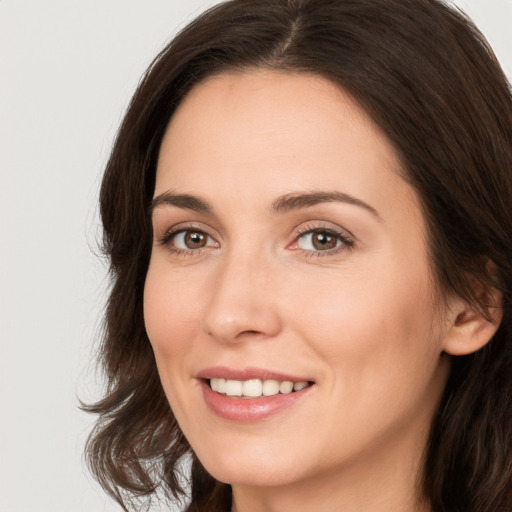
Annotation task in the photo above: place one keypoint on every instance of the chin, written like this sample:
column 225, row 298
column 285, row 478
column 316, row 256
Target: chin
column 251, row 468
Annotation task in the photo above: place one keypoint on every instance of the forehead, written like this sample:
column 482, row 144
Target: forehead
column 238, row 135
column 290, row 107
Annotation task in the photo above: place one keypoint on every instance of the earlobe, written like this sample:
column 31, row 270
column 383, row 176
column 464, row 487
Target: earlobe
column 470, row 328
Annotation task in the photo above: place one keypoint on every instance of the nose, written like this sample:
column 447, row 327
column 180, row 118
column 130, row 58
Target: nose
column 243, row 303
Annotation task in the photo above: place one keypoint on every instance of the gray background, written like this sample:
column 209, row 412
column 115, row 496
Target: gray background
column 67, row 71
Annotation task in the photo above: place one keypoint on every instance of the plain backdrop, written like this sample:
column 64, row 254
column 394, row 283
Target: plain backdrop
column 67, row 71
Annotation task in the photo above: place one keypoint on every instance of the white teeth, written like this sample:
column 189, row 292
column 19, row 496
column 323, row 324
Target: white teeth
column 218, row 385
column 221, row 385
column 234, row 387
column 255, row 388
column 286, row 387
column 300, row 385
column 270, row 387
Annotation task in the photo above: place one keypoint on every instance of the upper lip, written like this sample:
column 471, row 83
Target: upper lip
column 248, row 373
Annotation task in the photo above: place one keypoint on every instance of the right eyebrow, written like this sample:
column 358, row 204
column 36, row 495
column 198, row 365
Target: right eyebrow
column 185, row 201
column 296, row 201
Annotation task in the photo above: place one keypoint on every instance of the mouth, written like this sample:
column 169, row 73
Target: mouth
column 251, row 394
column 255, row 388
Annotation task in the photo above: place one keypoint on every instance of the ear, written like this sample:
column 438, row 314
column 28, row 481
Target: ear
column 469, row 329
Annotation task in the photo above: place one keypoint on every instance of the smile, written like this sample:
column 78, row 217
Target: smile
column 255, row 388
column 252, row 394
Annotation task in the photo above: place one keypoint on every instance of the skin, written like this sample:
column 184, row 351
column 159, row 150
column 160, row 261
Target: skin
column 358, row 319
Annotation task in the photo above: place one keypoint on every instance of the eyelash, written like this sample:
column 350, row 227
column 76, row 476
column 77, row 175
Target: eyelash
column 347, row 241
column 172, row 233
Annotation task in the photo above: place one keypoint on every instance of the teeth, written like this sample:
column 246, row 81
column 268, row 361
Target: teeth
column 234, row 387
column 270, row 387
column 286, row 387
column 255, row 388
column 252, row 388
column 300, row 385
column 218, row 385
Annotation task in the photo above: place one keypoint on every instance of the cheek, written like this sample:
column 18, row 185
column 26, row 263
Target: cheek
column 386, row 303
column 373, row 327
column 171, row 313
column 379, row 351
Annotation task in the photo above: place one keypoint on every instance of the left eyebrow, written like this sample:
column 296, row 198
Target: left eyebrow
column 296, row 201
column 185, row 201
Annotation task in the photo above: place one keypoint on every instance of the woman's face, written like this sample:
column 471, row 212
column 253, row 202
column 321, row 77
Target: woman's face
column 288, row 250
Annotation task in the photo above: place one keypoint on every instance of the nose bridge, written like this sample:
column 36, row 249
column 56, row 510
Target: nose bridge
column 242, row 300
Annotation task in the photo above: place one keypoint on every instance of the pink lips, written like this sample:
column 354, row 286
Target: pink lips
column 243, row 409
column 222, row 372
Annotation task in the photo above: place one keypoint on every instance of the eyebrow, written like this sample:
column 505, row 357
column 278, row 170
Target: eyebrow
column 296, row 201
column 283, row 204
column 185, row 201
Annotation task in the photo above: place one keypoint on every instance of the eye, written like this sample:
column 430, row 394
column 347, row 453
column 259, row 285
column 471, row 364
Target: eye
column 321, row 239
column 190, row 239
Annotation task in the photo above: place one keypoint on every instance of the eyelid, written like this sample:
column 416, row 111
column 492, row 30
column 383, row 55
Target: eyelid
column 181, row 236
column 181, row 227
column 346, row 237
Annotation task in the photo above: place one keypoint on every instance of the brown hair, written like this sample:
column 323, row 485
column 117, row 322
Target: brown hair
column 428, row 78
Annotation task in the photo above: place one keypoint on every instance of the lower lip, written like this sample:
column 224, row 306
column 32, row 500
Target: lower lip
column 248, row 410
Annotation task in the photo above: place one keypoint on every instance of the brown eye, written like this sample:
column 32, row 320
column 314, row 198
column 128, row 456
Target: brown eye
column 194, row 239
column 319, row 240
column 190, row 239
column 322, row 240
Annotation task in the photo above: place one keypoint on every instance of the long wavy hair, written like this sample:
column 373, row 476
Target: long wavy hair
column 427, row 77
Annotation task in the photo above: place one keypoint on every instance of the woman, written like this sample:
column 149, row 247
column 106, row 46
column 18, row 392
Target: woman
column 307, row 216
